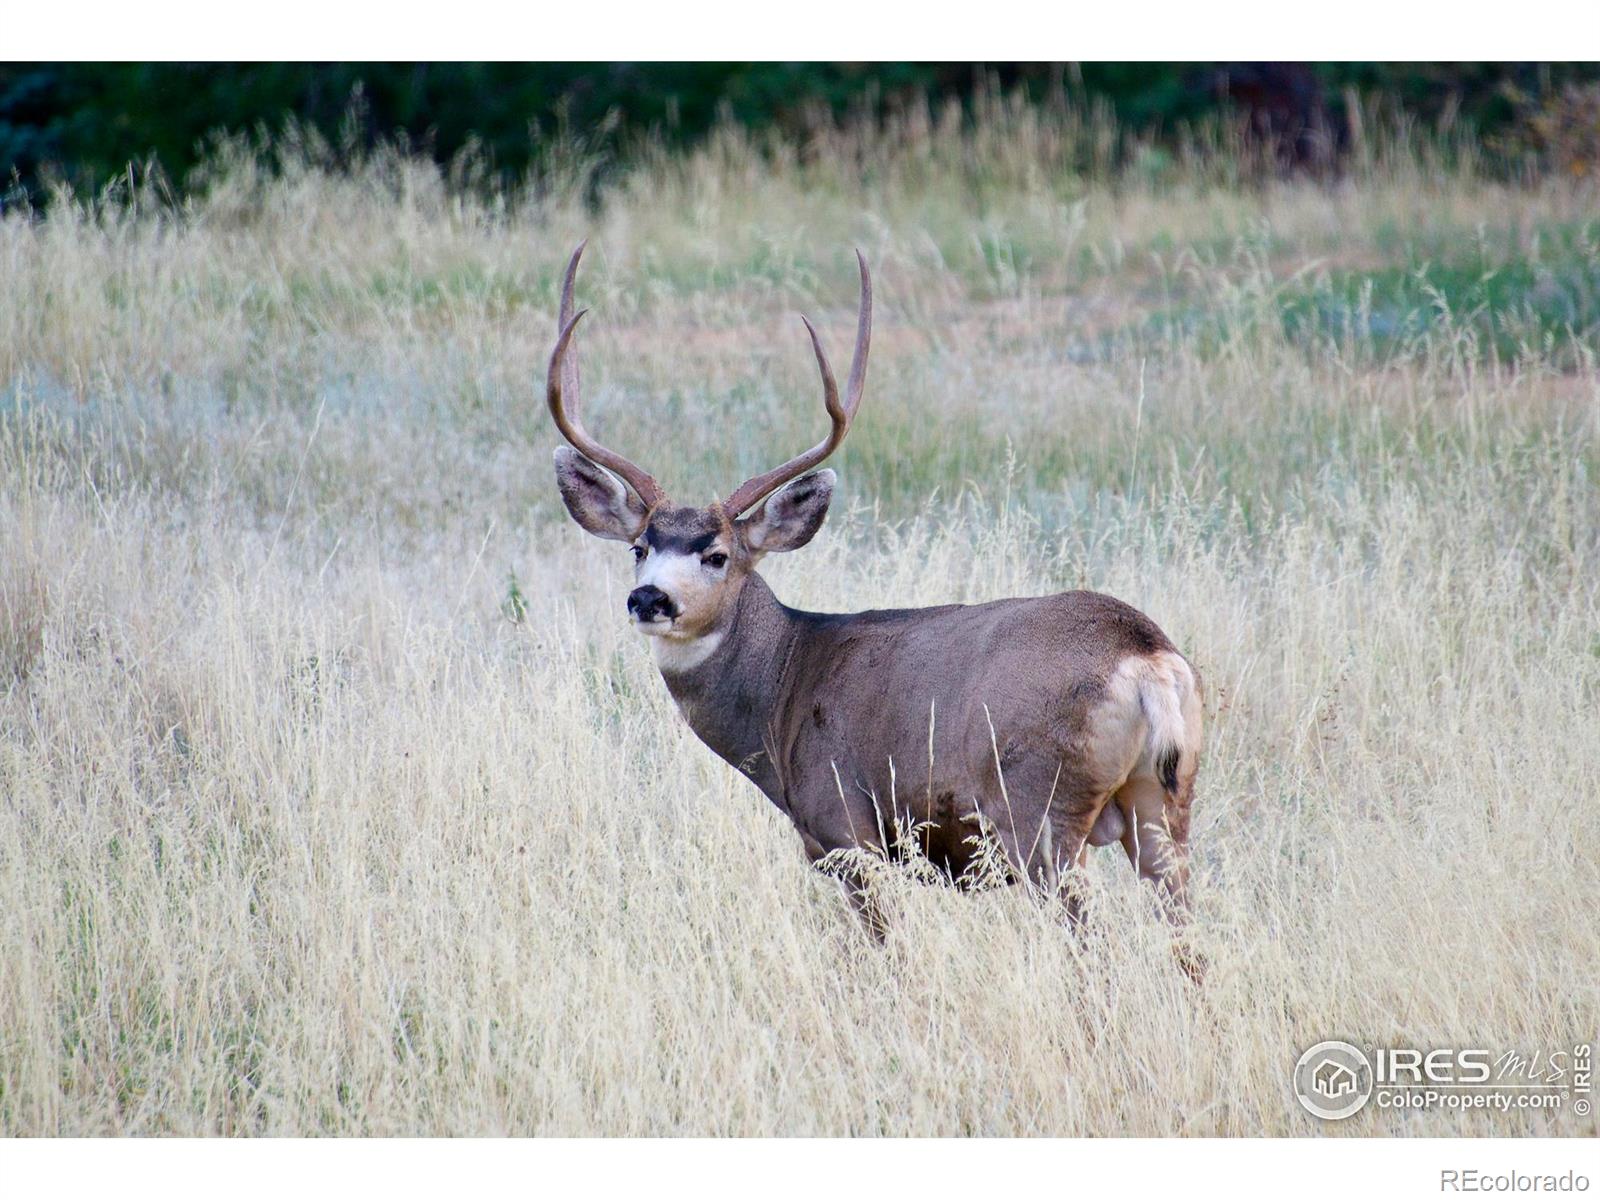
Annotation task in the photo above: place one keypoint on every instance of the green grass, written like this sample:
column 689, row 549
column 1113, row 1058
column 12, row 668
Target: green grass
column 1533, row 297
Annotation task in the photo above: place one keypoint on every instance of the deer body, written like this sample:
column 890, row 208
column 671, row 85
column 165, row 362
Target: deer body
column 1051, row 723
column 860, row 727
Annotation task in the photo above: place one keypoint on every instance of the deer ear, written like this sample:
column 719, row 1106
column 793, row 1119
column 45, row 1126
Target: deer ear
column 790, row 518
column 598, row 500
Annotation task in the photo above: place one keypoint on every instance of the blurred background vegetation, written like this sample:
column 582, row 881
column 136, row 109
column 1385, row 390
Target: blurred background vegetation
column 83, row 124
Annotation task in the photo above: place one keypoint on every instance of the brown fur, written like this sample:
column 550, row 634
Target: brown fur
column 834, row 716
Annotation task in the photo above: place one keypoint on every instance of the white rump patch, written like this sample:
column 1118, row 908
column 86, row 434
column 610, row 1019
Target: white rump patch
column 1160, row 693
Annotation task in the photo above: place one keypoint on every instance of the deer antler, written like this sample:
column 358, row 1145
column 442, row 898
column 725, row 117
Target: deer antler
column 748, row 493
column 562, row 391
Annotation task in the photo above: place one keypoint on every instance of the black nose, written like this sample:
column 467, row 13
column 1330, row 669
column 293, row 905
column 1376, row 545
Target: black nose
column 649, row 602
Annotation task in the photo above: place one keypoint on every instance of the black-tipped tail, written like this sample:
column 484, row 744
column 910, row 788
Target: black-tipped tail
column 1167, row 769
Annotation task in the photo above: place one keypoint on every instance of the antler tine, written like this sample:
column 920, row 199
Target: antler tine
column 858, row 357
column 571, row 381
column 563, row 374
column 747, row 494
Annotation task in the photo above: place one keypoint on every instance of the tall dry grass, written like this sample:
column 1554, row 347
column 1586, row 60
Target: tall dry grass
column 336, row 796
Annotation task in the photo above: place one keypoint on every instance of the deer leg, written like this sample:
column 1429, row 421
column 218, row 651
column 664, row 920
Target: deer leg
column 1043, row 817
column 1072, row 856
column 852, row 880
column 1156, row 841
column 858, row 891
column 1152, row 845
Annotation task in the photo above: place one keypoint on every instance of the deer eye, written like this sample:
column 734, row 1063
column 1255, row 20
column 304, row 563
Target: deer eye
column 638, row 553
column 716, row 561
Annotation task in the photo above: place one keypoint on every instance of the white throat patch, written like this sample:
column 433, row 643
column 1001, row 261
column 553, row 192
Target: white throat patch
column 682, row 654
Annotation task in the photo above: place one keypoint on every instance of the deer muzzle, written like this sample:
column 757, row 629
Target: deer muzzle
column 649, row 603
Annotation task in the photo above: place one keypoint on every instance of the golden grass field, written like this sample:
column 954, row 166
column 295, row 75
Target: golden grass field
column 337, row 796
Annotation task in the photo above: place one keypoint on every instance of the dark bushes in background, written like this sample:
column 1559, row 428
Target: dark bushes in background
column 83, row 123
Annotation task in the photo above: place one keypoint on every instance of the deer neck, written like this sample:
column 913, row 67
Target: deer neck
column 732, row 693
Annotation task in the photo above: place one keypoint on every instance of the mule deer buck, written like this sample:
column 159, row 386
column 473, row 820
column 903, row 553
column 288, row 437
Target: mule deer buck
column 1055, row 723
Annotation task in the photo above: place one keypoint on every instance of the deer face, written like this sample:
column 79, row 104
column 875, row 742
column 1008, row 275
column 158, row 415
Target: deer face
column 689, row 563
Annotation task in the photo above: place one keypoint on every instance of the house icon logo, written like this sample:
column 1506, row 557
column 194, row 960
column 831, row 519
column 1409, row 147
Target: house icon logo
column 1333, row 1080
